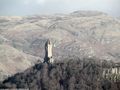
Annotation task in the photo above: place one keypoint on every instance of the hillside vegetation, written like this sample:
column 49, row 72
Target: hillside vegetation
column 68, row 74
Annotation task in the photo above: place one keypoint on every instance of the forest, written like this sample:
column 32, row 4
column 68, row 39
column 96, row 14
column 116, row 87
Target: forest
column 68, row 74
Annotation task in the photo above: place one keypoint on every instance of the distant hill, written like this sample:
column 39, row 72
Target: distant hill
column 68, row 74
column 81, row 34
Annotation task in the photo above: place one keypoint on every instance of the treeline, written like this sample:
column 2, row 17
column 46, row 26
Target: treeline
column 69, row 74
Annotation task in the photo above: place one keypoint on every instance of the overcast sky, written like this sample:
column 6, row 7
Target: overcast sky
column 31, row 7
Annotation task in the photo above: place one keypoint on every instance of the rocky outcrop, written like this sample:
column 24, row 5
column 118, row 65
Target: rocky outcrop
column 112, row 73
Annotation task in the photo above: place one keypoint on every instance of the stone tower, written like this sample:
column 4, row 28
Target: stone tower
column 48, row 52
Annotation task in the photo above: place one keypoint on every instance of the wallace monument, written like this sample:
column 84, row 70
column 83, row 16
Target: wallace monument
column 48, row 52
